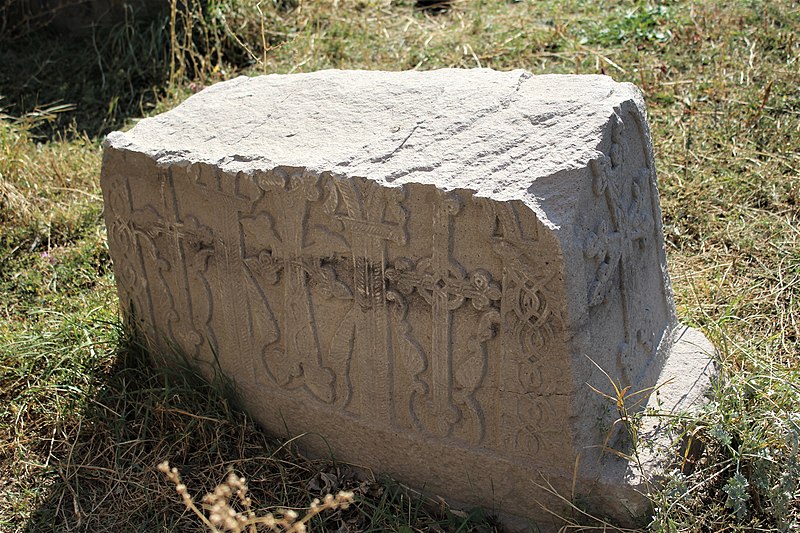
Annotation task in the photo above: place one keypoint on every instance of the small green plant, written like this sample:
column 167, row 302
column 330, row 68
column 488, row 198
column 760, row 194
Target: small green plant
column 637, row 25
column 628, row 405
column 749, row 470
column 737, row 489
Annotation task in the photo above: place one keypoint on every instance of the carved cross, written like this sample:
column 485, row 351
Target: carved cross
column 444, row 285
column 186, row 242
column 616, row 244
column 369, row 217
column 297, row 361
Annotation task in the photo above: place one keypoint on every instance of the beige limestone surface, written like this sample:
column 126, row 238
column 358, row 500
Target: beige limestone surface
column 431, row 271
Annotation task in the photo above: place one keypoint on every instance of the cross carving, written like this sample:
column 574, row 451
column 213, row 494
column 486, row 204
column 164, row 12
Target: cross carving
column 444, row 284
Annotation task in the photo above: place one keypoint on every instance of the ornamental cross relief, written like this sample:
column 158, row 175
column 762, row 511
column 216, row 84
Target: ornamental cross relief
column 289, row 246
column 446, row 397
column 174, row 251
column 367, row 218
column 280, row 253
column 615, row 247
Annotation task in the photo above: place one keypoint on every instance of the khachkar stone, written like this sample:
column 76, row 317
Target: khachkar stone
column 431, row 270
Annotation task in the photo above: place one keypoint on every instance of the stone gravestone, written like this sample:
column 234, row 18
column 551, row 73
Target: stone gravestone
column 431, row 270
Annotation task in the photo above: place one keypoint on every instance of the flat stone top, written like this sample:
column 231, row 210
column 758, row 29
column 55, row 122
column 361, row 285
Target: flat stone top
column 488, row 131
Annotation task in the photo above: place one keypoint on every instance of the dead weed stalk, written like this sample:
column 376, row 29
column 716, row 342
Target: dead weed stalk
column 223, row 514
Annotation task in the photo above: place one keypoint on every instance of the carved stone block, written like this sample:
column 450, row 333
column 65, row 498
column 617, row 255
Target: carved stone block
column 436, row 272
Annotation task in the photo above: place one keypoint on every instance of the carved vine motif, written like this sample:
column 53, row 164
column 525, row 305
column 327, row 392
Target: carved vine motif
column 444, row 396
column 617, row 240
column 268, row 267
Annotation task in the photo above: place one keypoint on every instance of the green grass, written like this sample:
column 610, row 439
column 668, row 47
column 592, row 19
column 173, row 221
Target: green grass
column 84, row 418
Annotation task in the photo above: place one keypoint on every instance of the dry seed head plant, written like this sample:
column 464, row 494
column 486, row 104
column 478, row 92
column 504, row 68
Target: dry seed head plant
column 223, row 516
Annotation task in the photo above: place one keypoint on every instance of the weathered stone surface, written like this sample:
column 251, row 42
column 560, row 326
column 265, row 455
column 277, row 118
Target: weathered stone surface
column 427, row 269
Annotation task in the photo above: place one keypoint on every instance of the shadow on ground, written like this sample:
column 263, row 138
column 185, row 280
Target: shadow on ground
column 103, row 476
column 103, row 75
column 102, row 473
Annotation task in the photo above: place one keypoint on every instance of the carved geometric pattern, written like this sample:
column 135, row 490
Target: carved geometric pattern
column 290, row 245
column 529, row 321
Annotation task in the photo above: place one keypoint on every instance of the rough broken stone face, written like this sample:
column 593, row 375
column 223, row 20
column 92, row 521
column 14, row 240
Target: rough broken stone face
column 428, row 269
